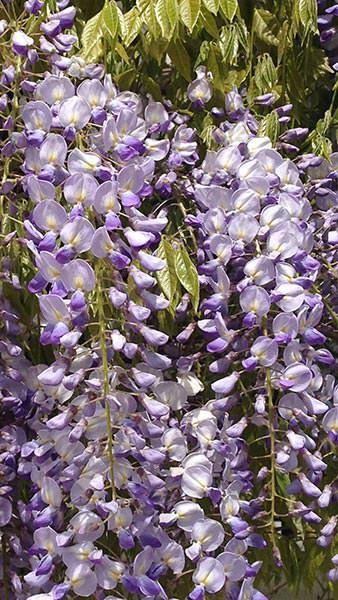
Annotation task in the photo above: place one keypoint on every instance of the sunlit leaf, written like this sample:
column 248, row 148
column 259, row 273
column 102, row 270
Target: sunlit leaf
column 263, row 24
column 228, row 45
column 91, row 38
column 167, row 277
column 187, row 274
column 229, row 8
column 162, row 18
column 123, row 28
column 212, row 5
column 214, row 65
column 207, row 129
column 265, row 74
column 149, row 18
column 110, row 20
column 307, row 10
column 189, row 12
column 172, row 12
column 133, row 25
column 122, row 53
column 270, row 126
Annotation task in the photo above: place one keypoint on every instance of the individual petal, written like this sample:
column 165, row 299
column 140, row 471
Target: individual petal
column 83, row 580
column 49, row 215
column 109, row 573
column 208, row 533
column 255, row 299
column 196, row 481
column 157, row 149
column 290, row 296
column 172, row 394
column 5, row 511
column 225, row 385
column 51, row 492
column 48, row 266
column 74, row 112
column 54, row 89
column 53, row 150
column 39, row 190
column 78, row 234
column 93, row 92
column 261, row 270
column 37, row 115
column 297, row 377
column 187, row 514
column 78, row 275
column 53, row 309
column 210, row 574
column 243, row 227
column 80, row 188
column 83, row 162
column 101, row 244
column 106, row 198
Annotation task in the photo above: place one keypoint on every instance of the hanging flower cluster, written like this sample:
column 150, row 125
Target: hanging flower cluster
column 180, row 393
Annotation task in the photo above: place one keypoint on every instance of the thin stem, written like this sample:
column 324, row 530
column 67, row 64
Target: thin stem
column 327, row 306
column 273, row 455
column 184, row 213
column 105, row 368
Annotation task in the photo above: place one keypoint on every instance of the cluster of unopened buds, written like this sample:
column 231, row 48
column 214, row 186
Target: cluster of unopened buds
column 143, row 454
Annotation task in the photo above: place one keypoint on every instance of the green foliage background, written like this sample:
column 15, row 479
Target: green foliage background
column 265, row 45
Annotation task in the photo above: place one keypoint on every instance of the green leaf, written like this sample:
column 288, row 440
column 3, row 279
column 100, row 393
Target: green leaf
column 207, row 130
column 152, row 88
column 172, row 12
column 214, row 65
column 133, row 25
column 149, row 17
column 166, row 277
column 126, row 79
column 283, row 41
column 110, row 20
column 235, row 77
column 156, row 48
column 211, row 5
column 142, row 5
column 229, row 8
column 122, row 53
column 229, row 45
column 187, row 274
column 123, row 29
column 321, row 145
column 203, row 55
column 91, row 38
column 263, row 24
column 270, row 126
column 210, row 24
column 307, row 11
column 162, row 18
column 243, row 36
column 283, row 481
column 180, row 59
column 266, row 77
column 189, row 12
column 132, row 290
